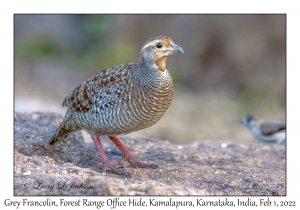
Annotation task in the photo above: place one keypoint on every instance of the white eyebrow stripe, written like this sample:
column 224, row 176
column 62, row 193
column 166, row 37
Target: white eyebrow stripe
column 150, row 43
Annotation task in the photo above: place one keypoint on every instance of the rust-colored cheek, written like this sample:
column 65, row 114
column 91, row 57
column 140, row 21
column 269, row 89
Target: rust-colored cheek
column 161, row 63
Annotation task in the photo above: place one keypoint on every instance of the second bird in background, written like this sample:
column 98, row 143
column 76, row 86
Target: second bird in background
column 271, row 131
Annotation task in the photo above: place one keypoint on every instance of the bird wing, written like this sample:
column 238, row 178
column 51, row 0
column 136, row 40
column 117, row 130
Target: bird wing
column 105, row 83
column 270, row 127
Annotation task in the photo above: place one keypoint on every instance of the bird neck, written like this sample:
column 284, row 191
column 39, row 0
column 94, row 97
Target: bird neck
column 149, row 71
column 161, row 63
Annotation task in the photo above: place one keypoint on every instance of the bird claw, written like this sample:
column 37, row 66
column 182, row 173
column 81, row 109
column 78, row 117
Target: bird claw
column 121, row 172
column 143, row 165
column 115, row 168
column 134, row 163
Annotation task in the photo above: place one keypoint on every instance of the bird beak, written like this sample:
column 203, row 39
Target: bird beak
column 177, row 48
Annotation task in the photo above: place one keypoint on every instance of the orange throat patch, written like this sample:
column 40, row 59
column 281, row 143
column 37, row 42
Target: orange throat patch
column 161, row 63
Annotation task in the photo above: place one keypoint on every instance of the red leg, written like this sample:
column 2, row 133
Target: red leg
column 105, row 159
column 128, row 156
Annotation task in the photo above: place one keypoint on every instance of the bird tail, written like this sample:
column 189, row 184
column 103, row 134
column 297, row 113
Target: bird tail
column 61, row 133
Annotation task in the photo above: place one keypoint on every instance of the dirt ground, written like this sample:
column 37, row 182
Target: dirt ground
column 73, row 167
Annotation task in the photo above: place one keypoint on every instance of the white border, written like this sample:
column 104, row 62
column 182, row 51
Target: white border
column 8, row 8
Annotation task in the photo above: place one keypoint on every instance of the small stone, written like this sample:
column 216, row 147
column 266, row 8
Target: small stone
column 26, row 173
column 223, row 145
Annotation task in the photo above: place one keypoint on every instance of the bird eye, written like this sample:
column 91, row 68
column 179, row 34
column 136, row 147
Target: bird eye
column 159, row 45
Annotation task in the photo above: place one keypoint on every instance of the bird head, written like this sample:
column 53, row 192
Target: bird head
column 249, row 121
column 157, row 50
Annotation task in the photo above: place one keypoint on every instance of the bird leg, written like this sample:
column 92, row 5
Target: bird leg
column 105, row 160
column 128, row 156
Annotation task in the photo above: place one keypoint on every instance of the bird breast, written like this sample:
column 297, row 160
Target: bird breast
column 127, row 106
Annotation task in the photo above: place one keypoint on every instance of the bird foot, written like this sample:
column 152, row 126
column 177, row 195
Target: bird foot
column 128, row 156
column 114, row 168
column 134, row 163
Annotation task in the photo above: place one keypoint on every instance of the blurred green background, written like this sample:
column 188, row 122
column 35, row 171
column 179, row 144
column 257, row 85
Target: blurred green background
column 233, row 65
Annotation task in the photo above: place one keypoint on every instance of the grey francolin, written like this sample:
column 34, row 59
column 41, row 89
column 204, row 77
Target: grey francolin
column 122, row 99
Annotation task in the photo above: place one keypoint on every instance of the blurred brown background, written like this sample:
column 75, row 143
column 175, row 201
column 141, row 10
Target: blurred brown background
column 233, row 65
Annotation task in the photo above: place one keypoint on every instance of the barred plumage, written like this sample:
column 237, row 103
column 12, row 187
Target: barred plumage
column 122, row 99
